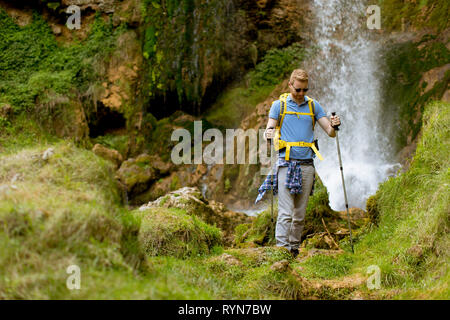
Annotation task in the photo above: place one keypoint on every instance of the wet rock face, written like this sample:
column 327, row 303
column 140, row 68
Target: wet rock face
column 198, row 48
column 191, row 200
column 106, row 6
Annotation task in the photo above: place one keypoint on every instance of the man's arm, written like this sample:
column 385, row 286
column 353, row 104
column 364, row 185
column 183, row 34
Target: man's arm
column 326, row 125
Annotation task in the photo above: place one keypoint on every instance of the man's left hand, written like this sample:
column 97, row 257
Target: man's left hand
column 335, row 121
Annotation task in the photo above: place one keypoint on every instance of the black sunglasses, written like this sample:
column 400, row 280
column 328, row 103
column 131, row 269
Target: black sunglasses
column 300, row 89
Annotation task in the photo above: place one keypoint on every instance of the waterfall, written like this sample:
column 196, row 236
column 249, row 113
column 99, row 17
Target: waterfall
column 345, row 78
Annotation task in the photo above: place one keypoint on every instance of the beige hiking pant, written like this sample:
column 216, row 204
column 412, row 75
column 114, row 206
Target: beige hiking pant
column 292, row 208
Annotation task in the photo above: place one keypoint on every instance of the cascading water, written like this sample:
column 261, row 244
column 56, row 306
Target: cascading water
column 344, row 77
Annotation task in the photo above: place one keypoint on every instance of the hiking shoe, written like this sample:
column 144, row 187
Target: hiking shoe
column 294, row 253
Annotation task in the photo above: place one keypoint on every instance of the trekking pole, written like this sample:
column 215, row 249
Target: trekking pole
column 336, row 129
column 269, row 142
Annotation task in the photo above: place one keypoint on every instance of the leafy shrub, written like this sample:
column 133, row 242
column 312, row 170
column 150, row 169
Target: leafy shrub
column 276, row 64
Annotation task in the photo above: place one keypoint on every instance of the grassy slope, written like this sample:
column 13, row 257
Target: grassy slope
column 411, row 242
column 67, row 210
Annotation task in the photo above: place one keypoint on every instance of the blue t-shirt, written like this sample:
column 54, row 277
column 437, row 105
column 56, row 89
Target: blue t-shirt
column 297, row 128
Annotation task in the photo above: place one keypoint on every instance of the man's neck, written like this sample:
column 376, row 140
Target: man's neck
column 296, row 101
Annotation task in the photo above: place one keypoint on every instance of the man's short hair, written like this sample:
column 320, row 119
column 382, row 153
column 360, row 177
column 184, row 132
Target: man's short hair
column 299, row 75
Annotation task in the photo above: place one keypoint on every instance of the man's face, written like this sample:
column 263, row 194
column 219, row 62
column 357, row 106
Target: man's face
column 294, row 87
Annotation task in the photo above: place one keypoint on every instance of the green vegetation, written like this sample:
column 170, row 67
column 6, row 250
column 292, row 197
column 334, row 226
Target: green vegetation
column 54, row 213
column 22, row 133
column 34, row 68
column 235, row 104
column 409, row 236
column 260, row 232
column 276, row 65
column 67, row 211
column 327, row 267
column 425, row 13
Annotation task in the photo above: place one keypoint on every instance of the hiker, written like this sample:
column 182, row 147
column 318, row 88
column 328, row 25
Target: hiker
column 291, row 126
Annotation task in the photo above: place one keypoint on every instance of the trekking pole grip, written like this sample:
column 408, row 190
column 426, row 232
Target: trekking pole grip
column 269, row 142
column 336, row 128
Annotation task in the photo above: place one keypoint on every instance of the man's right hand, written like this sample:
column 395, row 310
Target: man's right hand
column 269, row 133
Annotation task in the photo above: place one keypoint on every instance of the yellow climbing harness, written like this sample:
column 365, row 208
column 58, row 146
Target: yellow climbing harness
column 280, row 144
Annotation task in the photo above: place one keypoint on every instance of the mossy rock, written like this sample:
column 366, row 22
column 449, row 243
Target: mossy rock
column 317, row 240
column 191, row 200
column 318, row 208
column 260, row 232
column 136, row 177
column 372, row 208
column 137, row 174
column 171, row 231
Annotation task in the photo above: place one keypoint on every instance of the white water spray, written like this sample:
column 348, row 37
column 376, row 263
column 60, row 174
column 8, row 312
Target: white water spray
column 344, row 78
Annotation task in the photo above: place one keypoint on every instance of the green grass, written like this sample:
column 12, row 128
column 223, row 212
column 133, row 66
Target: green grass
column 21, row 133
column 67, row 210
column 276, row 65
column 57, row 212
column 410, row 244
column 426, row 13
column 174, row 232
column 116, row 142
column 327, row 267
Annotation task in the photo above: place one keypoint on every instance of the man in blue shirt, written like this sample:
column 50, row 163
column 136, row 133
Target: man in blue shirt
column 295, row 176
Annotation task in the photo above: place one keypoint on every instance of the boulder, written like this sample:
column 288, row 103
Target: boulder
column 280, row 266
column 192, row 201
column 48, row 153
column 108, row 154
column 167, row 231
column 137, row 174
column 230, row 260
